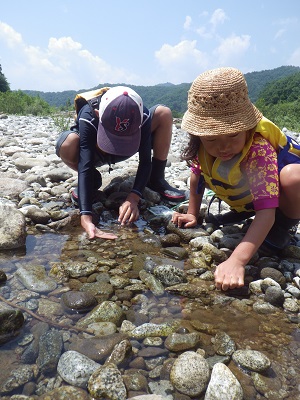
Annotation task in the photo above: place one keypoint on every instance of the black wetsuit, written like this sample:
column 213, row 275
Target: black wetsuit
column 90, row 156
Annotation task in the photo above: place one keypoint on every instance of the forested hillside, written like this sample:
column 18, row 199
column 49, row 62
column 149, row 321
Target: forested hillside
column 175, row 96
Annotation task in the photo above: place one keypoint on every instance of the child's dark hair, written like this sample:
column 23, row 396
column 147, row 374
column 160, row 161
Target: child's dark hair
column 190, row 152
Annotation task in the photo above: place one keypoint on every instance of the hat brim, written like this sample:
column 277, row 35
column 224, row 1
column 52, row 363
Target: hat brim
column 125, row 146
column 221, row 124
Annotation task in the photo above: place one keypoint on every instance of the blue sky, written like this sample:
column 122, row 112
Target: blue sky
column 69, row 44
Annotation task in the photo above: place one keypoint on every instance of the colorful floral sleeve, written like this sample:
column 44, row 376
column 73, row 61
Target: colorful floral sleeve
column 195, row 167
column 262, row 171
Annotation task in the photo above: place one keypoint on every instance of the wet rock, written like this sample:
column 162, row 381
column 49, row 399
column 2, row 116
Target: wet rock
column 152, row 283
column 103, row 289
column 120, row 353
column 150, row 329
column 151, row 352
column 65, row 392
column 76, row 368
column 12, row 227
column 274, row 274
column 170, row 240
column 74, row 269
column 188, row 290
column 119, row 282
column 198, row 242
column 3, row 277
column 291, row 252
column 11, row 323
column 50, row 348
column 180, row 342
column 179, row 253
column 107, row 311
column 78, row 302
column 162, row 388
column 135, row 380
column 268, row 387
column 268, row 282
column 274, row 295
column 107, row 382
column 217, row 255
column 223, row 385
column 148, row 397
column 190, row 374
column 97, row 349
column 186, row 234
column 291, row 305
column 230, row 241
column 251, row 359
column 169, row 274
column 262, row 307
column 102, row 328
column 223, row 344
column 255, row 286
column 35, row 278
column 18, row 378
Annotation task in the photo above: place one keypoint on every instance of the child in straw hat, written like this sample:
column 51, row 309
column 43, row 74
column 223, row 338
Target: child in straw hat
column 246, row 160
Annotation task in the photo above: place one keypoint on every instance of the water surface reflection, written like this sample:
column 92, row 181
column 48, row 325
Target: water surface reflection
column 273, row 334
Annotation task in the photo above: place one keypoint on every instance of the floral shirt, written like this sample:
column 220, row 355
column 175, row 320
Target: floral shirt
column 261, row 167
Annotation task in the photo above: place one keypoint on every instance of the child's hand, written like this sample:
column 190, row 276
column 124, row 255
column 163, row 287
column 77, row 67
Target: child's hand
column 184, row 220
column 92, row 230
column 229, row 275
column 128, row 212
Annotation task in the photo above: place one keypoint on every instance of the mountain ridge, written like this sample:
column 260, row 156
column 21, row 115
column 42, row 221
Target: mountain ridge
column 172, row 95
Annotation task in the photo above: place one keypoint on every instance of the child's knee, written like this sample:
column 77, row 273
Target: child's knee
column 290, row 176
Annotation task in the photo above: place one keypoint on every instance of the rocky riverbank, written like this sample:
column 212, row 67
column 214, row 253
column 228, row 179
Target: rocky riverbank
column 137, row 317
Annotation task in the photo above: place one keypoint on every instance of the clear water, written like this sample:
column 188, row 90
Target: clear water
column 274, row 335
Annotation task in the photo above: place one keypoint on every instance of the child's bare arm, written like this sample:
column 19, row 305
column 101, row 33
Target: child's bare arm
column 189, row 219
column 230, row 274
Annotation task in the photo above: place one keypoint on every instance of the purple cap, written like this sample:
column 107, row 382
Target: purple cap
column 120, row 121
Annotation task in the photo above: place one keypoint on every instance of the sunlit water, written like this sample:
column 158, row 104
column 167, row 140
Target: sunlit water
column 274, row 335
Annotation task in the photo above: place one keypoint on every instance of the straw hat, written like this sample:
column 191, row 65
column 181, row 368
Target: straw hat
column 218, row 104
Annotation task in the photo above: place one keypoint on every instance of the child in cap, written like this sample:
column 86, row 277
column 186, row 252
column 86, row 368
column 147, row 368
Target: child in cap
column 120, row 128
column 246, row 160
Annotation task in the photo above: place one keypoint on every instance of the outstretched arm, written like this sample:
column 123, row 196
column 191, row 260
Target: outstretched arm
column 92, row 230
column 230, row 273
column 189, row 219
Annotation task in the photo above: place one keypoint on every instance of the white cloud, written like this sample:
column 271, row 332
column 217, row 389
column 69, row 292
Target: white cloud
column 279, row 33
column 295, row 58
column 9, row 35
column 64, row 64
column 187, row 23
column 202, row 31
column 232, row 48
column 181, row 61
column 218, row 17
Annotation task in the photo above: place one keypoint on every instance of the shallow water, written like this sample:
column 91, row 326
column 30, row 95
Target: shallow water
column 273, row 334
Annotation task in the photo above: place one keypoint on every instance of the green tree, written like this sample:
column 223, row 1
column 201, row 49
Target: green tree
column 4, row 85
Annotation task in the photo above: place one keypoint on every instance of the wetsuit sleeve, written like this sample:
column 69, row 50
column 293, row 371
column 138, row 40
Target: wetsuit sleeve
column 88, row 138
column 144, row 167
column 261, row 168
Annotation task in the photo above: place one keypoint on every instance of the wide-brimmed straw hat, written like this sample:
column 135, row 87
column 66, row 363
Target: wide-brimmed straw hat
column 218, row 104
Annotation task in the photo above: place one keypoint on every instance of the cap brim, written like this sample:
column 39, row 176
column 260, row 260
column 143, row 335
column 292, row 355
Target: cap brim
column 125, row 146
